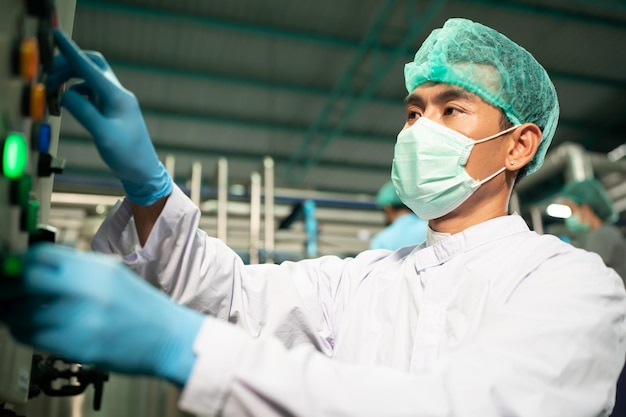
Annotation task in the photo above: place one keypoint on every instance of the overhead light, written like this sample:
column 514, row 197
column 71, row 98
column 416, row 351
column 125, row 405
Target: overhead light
column 559, row 210
column 617, row 153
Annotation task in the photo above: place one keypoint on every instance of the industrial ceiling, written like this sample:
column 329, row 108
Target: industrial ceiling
column 318, row 85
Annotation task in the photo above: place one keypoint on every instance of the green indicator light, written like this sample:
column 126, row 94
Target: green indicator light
column 12, row 266
column 14, row 155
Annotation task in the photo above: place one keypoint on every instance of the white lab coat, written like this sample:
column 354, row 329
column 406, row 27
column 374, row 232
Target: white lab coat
column 493, row 321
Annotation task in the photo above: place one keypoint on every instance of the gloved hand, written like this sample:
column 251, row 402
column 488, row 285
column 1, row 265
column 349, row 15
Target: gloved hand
column 113, row 117
column 92, row 309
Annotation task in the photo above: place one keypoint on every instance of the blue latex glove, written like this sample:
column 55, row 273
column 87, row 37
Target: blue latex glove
column 92, row 309
column 113, row 117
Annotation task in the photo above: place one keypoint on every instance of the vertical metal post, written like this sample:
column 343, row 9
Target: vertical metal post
column 255, row 216
column 268, row 165
column 170, row 162
column 222, row 198
column 196, row 183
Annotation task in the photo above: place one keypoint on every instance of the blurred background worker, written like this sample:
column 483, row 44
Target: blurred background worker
column 404, row 228
column 592, row 221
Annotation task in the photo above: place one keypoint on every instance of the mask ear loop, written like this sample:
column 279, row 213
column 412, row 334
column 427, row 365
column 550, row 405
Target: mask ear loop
column 481, row 182
column 510, row 129
column 504, row 132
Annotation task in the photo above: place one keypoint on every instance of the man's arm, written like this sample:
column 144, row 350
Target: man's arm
column 554, row 349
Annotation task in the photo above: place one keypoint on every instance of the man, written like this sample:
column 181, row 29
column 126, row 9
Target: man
column 403, row 227
column 592, row 221
column 485, row 318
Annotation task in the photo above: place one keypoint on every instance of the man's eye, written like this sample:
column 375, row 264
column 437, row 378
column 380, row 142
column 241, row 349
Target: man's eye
column 412, row 115
column 450, row 111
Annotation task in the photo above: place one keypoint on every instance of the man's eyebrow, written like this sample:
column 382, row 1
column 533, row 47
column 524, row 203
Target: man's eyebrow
column 453, row 94
column 414, row 99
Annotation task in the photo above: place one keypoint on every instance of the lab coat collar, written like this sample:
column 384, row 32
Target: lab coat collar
column 472, row 237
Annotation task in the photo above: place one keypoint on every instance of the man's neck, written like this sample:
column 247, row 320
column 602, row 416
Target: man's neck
column 477, row 209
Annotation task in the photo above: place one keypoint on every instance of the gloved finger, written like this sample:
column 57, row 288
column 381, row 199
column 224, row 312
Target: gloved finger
column 86, row 91
column 103, row 83
column 83, row 110
column 61, row 70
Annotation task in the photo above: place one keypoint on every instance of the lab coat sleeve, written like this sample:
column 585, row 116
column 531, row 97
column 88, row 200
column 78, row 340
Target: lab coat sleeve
column 297, row 301
column 554, row 348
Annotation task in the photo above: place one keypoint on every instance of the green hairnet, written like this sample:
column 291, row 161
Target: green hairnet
column 387, row 196
column 490, row 65
column 591, row 192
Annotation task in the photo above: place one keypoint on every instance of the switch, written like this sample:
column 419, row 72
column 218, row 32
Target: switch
column 40, row 8
column 34, row 101
column 48, row 164
column 53, row 101
column 19, row 191
column 29, row 58
column 40, row 137
column 45, row 39
column 44, row 233
column 14, row 155
column 28, row 218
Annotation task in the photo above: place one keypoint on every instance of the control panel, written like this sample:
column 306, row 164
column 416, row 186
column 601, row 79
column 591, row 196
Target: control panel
column 29, row 128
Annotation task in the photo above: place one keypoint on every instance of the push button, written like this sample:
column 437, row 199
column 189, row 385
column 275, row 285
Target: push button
column 11, row 266
column 19, row 191
column 28, row 58
column 34, row 101
column 14, row 155
column 28, row 218
column 41, row 135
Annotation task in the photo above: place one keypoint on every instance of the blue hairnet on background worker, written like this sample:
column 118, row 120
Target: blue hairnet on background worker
column 592, row 222
column 485, row 318
column 402, row 226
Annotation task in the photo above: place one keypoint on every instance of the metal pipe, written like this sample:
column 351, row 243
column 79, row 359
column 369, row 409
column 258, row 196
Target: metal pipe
column 222, row 198
column 196, row 183
column 170, row 163
column 569, row 158
column 255, row 216
column 268, row 165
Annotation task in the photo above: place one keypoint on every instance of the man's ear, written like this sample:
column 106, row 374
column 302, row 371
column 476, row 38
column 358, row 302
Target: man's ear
column 523, row 146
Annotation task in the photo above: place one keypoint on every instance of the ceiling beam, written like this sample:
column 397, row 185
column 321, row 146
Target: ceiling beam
column 304, row 89
column 556, row 12
column 185, row 115
column 311, row 37
column 208, row 152
column 218, row 23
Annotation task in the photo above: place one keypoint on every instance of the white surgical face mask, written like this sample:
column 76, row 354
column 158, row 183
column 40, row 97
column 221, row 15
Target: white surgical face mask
column 429, row 168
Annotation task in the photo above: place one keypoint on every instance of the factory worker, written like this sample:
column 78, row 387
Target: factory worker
column 592, row 222
column 403, row 227
column 486, row 318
